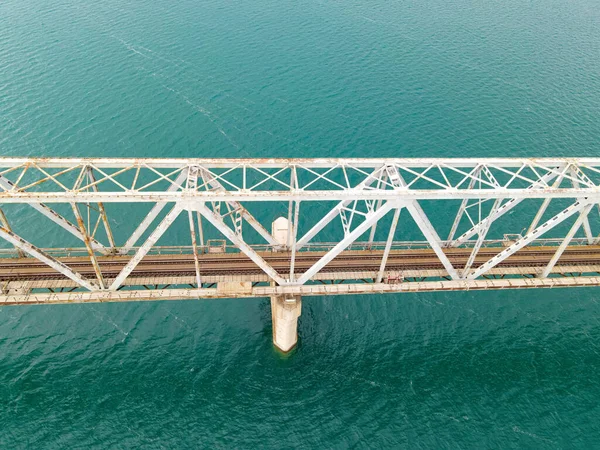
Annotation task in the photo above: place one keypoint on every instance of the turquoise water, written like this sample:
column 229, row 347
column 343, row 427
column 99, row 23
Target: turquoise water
column 309, row 78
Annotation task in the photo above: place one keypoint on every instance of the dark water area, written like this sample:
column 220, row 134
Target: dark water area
column 450, row 78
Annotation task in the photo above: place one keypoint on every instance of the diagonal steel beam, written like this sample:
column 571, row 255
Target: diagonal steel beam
column 4, row 223
column 388, row 245
column 370, row 219
column 546, row 202
column 294, row 239
column 218, row 187
column 528, row 238
column 88, row 245
column 586, row 222
column 39, row 254
column 102, row 211
column 377, row 205
column 238, row 241
column 334, row 212
column 56, row 218
column 146, row 246
column 195, row 248
column 423, row 222
column 482, row 233
column 192, row 183
column 154, row 212
column 432, row 237
column 563, row 246
column 293, row 184
column 463, row 205
column 506, row 207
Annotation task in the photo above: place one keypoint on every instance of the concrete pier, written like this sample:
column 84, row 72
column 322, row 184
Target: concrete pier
column 284, row 313
column 285, row 310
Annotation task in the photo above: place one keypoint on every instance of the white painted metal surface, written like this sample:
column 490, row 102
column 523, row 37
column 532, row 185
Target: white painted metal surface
column 345, row 199
column 55, row 180
column 312, row 290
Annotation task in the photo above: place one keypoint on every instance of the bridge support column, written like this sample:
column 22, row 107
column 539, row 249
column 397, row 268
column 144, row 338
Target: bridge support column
column 285, row 312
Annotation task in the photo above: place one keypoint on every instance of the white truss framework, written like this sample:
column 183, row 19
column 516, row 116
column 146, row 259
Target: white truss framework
column 469, row 198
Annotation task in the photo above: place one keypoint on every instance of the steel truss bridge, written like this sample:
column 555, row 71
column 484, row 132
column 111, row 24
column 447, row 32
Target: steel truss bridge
column 100, row 229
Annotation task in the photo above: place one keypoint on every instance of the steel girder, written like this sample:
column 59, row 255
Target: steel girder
column 55, row 180
column 223, row 191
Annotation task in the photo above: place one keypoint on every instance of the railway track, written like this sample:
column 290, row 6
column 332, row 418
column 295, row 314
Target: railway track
column 24, row 269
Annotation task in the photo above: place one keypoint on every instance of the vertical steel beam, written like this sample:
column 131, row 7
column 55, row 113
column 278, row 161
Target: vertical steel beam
column 377, row 206
column 528, row 238
column 563, row 246
column 192, row 184
column 88, row 245
column 546, row 202
column 154, row 212
column 388, row 244
column 146, row 246
column 102, row 211
column 200, row 230
column 195, row 248
column 290, row 216
column 463, row 205
column 586, row 222
column 370, row 219
column 294, row 238
column 39, row 254
column 482, row 233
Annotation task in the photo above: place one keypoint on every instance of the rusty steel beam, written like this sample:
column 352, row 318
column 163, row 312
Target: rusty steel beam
column 102, row 211
column 319, row 179
column 42, row 256
column 313, row 290
column 4, row 223
column 88, row 245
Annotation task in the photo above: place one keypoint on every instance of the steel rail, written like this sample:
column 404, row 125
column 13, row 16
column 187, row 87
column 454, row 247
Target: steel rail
column 239, row 264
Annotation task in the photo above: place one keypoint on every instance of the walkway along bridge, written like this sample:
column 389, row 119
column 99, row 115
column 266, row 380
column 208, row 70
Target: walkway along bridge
column 97, row 230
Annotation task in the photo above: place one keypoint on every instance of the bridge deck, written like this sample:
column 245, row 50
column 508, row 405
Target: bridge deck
column 419, row 269
column 238, row 265
column 306, row 290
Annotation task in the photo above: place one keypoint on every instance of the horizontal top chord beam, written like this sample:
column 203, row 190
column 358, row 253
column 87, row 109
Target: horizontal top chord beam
column 174, row 163
column 121, row 180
